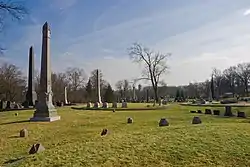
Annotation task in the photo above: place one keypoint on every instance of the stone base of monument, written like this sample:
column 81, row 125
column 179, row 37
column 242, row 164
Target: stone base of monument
column 45, row 119
column 45, row 112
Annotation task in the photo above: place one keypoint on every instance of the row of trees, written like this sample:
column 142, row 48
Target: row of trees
column 234, row 80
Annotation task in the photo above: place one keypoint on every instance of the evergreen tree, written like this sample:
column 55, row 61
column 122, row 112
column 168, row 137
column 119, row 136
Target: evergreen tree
column 109, row 94
column 89, row 90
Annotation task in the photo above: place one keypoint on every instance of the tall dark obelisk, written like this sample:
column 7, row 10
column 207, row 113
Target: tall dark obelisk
column 45, row 110
column 31, row 95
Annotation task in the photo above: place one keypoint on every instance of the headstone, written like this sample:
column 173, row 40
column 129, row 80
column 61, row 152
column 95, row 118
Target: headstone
column 31, row 95
column 17, row 106
column 59, row 104
column 3, row 105
column 163, row 122
column 147, row 95
column 216, row 112
column 130, row 120
column 192, row 111
column 65, row 96
column 45, row 110
column 241, row 114
column 160, row 102
column 134, row 95
column 36, row 148
column 228, row 111
column 104, row 132
column 208, row 111
column 164, row 102
column 99, row 100
column 8, row 105
column 24, row 133
column 124, row 104
column 199, row 111
column 89, row 105
column 96, row 105
column 114, row 105
column 196, row 120
column 105, row 105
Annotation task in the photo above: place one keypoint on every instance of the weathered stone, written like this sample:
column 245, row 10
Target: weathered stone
column 163, row 122
column 45, row 110
column 96, row 105
column 105, row 105
column 99, row 100
column 8, row 105
column 114, row 105
column 24, row 133
column 104, row 132
column 36, row 148
column 241, row 114
column 196, row 120
column 65, row 95
column 160, row 102
column 17, row 106
column 59, row 104
column 89, row 105
column 192, row 111
column 130, row 120
column 31, row 95
column 124, row 104
column 228, row 111
column 216, row 112
column 208, row 111
column 199, row 111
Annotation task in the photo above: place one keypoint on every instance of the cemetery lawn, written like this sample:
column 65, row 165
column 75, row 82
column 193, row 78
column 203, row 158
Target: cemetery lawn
column 75, row 140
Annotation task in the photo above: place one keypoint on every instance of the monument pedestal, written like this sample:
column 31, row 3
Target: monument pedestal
column 45, row 112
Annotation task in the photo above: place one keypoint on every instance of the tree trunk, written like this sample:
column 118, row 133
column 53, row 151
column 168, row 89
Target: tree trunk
column 156, row 93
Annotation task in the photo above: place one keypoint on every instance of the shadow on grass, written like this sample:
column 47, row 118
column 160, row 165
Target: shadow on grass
column 120, row 109
column 15, row 122
column 13, row 160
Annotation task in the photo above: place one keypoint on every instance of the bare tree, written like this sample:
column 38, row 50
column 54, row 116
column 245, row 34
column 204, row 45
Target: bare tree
column 13, row 10
column 230, row 76
column 93, row 80
column 12, row 82
column 217, row 78
column 76, row 78
column 155, row 64
column 59, row 82
column 243, row 72
column 123, row 86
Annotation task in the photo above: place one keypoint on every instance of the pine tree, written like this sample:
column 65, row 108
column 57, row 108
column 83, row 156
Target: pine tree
column 109, row 94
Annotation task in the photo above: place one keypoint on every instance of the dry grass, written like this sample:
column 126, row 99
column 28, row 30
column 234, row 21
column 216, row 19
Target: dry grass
column 75, row 140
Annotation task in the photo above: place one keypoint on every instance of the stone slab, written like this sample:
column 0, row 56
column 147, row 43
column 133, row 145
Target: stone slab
column 45, row 119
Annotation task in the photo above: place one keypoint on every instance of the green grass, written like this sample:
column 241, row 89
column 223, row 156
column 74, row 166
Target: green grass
column 75, row 140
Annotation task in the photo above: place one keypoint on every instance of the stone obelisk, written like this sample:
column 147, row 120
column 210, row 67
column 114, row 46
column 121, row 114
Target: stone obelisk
column 65, row 95
column 31, row 95
column 98, row 85
column 45, row 110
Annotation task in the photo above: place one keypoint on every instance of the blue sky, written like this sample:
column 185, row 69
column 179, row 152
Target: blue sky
column 96, row 33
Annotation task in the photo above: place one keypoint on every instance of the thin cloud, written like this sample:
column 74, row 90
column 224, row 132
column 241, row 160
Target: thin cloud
column 247, row 12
